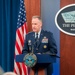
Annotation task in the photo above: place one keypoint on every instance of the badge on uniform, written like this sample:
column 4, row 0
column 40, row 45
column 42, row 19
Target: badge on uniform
column 45, row 40
column 45, row 46
column 29, row 42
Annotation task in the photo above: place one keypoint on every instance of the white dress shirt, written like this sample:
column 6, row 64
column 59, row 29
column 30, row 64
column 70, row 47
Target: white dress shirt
column 38, row 34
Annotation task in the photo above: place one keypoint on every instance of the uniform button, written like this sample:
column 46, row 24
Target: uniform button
column 36, row 48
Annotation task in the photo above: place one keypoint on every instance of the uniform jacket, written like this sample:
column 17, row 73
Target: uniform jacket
column 46, row 43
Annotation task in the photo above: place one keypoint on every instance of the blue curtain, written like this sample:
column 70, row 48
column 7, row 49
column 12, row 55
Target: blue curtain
column 8, row 23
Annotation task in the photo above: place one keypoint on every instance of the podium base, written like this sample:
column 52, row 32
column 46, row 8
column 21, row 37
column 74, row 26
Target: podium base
column 40, row 71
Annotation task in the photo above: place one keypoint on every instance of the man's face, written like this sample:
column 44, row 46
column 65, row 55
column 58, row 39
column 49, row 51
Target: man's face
column 36, row 24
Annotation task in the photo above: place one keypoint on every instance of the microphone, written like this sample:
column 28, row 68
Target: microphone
column 52, row 54
column 33, row 45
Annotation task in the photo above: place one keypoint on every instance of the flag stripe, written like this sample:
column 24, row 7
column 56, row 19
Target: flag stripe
column 16, row 70
column 18, row 48
column 19, row 43
column 19, row 68
column 26, row 28
column 16, row 51
column 20, row 37
column 23, row 65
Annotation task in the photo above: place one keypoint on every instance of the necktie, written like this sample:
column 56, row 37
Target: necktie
column 36, row 39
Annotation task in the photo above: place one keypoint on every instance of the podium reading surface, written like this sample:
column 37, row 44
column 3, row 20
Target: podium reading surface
column 43, row 60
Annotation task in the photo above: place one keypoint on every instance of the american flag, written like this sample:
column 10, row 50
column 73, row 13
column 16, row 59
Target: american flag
column 20, row 68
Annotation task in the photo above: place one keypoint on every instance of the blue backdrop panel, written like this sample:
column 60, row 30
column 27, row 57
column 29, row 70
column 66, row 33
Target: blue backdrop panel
column 49, row 9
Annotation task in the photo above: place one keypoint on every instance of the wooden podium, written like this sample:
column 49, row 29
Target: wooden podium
column 43, row 60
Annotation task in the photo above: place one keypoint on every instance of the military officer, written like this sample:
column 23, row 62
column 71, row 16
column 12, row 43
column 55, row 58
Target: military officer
column 40, row 41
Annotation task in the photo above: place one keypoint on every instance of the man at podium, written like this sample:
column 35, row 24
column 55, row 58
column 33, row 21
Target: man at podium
column 40, row 41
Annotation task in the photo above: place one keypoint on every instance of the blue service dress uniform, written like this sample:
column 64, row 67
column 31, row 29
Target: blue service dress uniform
column 46, row 44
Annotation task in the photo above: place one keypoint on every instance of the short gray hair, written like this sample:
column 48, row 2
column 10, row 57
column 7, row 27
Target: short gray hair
column 33, row 17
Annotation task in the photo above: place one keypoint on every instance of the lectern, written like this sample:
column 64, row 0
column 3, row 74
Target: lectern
column 43, row 60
